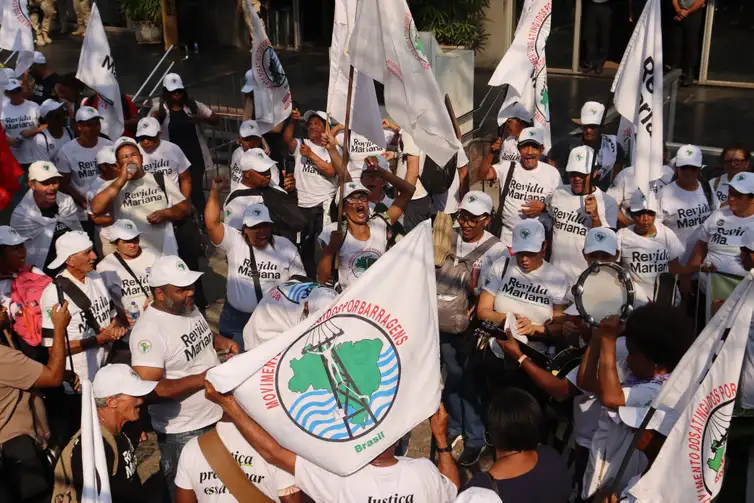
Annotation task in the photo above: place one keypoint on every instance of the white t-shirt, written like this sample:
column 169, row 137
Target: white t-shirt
column 411, row 148
column 724, row 232
column 357, row 256
column 140, row 198
column 484, row 263
column 181, row 346
column 571, row 224
column 17, row 118
column 533, row 295
column 281, row 308
column 683, row 212
column 236, row 173
column 46, row 146
column 448, row 201
column 646, row 257
column 276, row 264
column 167, row 158
column 538, row 184
column 415, row 480
column 118, row 280
column 80, row 162
column 719, row 188
column 361, row 148
column 313, row 187
column 624, row 185
column 87, row 362
column 509, row 150
column 195, row 474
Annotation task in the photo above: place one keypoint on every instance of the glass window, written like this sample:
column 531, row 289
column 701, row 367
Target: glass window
column 730, row 55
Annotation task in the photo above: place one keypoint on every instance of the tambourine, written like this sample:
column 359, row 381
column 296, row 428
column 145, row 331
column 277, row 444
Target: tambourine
column 603, row 289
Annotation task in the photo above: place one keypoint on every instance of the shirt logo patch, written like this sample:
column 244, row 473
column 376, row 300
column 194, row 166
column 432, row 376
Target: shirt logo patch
column 145, row 346
column 181, row 266
column 600, row 237
column 525, row 233
column 720, row 222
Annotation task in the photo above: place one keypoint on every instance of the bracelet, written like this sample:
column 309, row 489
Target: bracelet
column 89, row 343
column 521, row 360
column 444, row 449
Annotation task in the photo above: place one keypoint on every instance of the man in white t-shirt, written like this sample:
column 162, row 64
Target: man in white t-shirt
column 528, row 186
column 47, row 143
column 137, row 196
column 410, row 168
column 735, row 159
column 573, row 213
column 126, row 270
column 624, row 186
column 162, row 156
column 172, row 343
column 249, row 137
column 385, row 478
column 512, row 120
column 20, row 120
column 361, row 148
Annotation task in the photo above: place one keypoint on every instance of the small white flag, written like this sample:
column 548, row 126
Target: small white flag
column 97, row 70
column 638, row 93
column 272, row 91
column 386, row 46
column 348, row 382
column 524, row 67
column 698, row 400
column 16, row 34
column 94, row 466
column 365, row 111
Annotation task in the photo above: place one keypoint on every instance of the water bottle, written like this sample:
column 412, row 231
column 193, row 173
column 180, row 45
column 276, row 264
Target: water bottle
column 133, row 311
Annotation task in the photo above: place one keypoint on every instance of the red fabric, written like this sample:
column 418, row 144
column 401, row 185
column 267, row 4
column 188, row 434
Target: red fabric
column 10, row 171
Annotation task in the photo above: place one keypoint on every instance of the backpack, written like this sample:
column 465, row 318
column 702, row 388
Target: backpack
column 437, row 179
column 454, row 287
column 26, row 290
column 64, row 490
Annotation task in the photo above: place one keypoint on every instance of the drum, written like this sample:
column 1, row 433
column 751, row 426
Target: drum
column 603, row 290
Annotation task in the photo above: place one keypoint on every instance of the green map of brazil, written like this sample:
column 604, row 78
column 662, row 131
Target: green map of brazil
column 354, row 360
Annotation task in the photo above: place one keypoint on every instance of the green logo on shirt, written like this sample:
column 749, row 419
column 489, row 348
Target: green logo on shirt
column 145, row 346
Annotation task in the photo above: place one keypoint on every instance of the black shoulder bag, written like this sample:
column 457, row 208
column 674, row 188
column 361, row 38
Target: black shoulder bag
column 496, row 225
column 255, row 273
column 187, row 233
column 79, row 298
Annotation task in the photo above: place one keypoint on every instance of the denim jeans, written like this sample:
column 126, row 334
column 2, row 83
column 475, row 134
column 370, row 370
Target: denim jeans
column 462, row 401
column 232, row 322
column 171, row 445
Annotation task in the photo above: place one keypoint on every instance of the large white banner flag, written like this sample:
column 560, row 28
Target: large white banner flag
column 365, row 111
column 386, row 46
column 349, row 381
column 524, row 67
column 272, row 92
column 16, row 34
column 638, row 93
column 698, row 400
column 97, row 70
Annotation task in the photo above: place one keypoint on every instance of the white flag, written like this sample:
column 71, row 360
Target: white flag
column 700, row 393
column 365, row 111
column 16, row 34
column 345, row 384
column 524, row 67
column 638, row 93
column 386, row 46
column 94, row 466
column 272, row 92
column 97, row 70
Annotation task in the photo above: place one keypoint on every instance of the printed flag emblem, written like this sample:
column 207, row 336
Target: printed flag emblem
column 145, row 346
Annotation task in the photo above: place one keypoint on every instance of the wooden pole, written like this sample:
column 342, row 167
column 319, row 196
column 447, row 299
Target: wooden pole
column 169, row 23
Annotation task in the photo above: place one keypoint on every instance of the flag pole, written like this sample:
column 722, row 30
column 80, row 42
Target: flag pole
column 589, row 186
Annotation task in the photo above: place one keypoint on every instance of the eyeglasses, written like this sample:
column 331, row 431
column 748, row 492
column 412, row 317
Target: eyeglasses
column 357, row 198
column 465, row 218
column 734, row 161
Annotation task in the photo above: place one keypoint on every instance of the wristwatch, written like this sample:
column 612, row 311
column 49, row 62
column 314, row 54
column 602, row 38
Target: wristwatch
column 521, row 360
column 444, row 449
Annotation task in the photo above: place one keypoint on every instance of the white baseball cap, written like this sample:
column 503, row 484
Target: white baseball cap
column 249, row 128
column 86, row 113
column 640, row 202
column 528, row 236
column 39, row 58
column 123, row 229
column 478, row 495
column 248, row 85
column 172, row 82
column 580, row 160
column 351, row 188
column 514, row 111
column 70, row 243
column 120, row 379
column 171, row 270
column 122, row 142
column 601, row 239
column 106, row 155
column 10, row 73
column 256, row 159
column 256, row 214
column 148, row 126
column 689, row 155
column 591, row 114
column 476, row 202
column 49, row 105
column 311, row 113
column 531, row 135
column 13, row 84
column 39, row 171
column 10, row 237
column 743, row 183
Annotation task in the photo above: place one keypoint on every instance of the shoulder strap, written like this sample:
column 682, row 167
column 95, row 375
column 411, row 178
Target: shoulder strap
column 159, row 177
column 505, row 189
column 130, row 271
column 254, row 272
column 707, row 192
column 241, row 193
column 493, row 483
column 227, row 470
column 480, row 250
column 505, row 268
column 80, row 299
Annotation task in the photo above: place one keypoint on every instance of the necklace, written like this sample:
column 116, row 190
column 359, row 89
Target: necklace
column 508, row 455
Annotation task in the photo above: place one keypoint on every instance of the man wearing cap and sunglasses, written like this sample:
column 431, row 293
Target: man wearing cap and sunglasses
column 50, row 140
column 44, row 214
column 526, row 184
column 172, row 343
column 162, row 156
column 249, row 137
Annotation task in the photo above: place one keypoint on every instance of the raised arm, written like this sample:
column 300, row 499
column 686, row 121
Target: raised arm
column 212, row 212
column 102, row 201
column 173, row 389
column 485, row 169
column 611, row 391
column 445, row 463
column 52, row 373
column 588, row 379
column 288, row 132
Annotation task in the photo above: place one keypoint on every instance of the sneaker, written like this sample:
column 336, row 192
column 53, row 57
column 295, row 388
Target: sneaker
column 586, row 67
column 470, row 456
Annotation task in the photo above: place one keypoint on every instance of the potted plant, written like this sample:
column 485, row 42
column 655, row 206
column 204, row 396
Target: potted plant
column 454, row 23
column 146, row 18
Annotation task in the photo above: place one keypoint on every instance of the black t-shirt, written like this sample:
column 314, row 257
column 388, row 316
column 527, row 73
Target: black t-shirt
column 60, row 229
column 548, row 482
column 44, row 88
column 125, row 485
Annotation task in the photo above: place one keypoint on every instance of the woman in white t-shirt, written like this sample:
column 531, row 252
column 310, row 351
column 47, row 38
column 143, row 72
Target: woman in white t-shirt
column 20, row 120
column 527, row 287
column 257, row 260
column 735, row 159
column 648, row 248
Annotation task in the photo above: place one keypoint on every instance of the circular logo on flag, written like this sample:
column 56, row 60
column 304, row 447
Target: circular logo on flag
column 339, row 380
column 413, row 41
column 268, row 67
